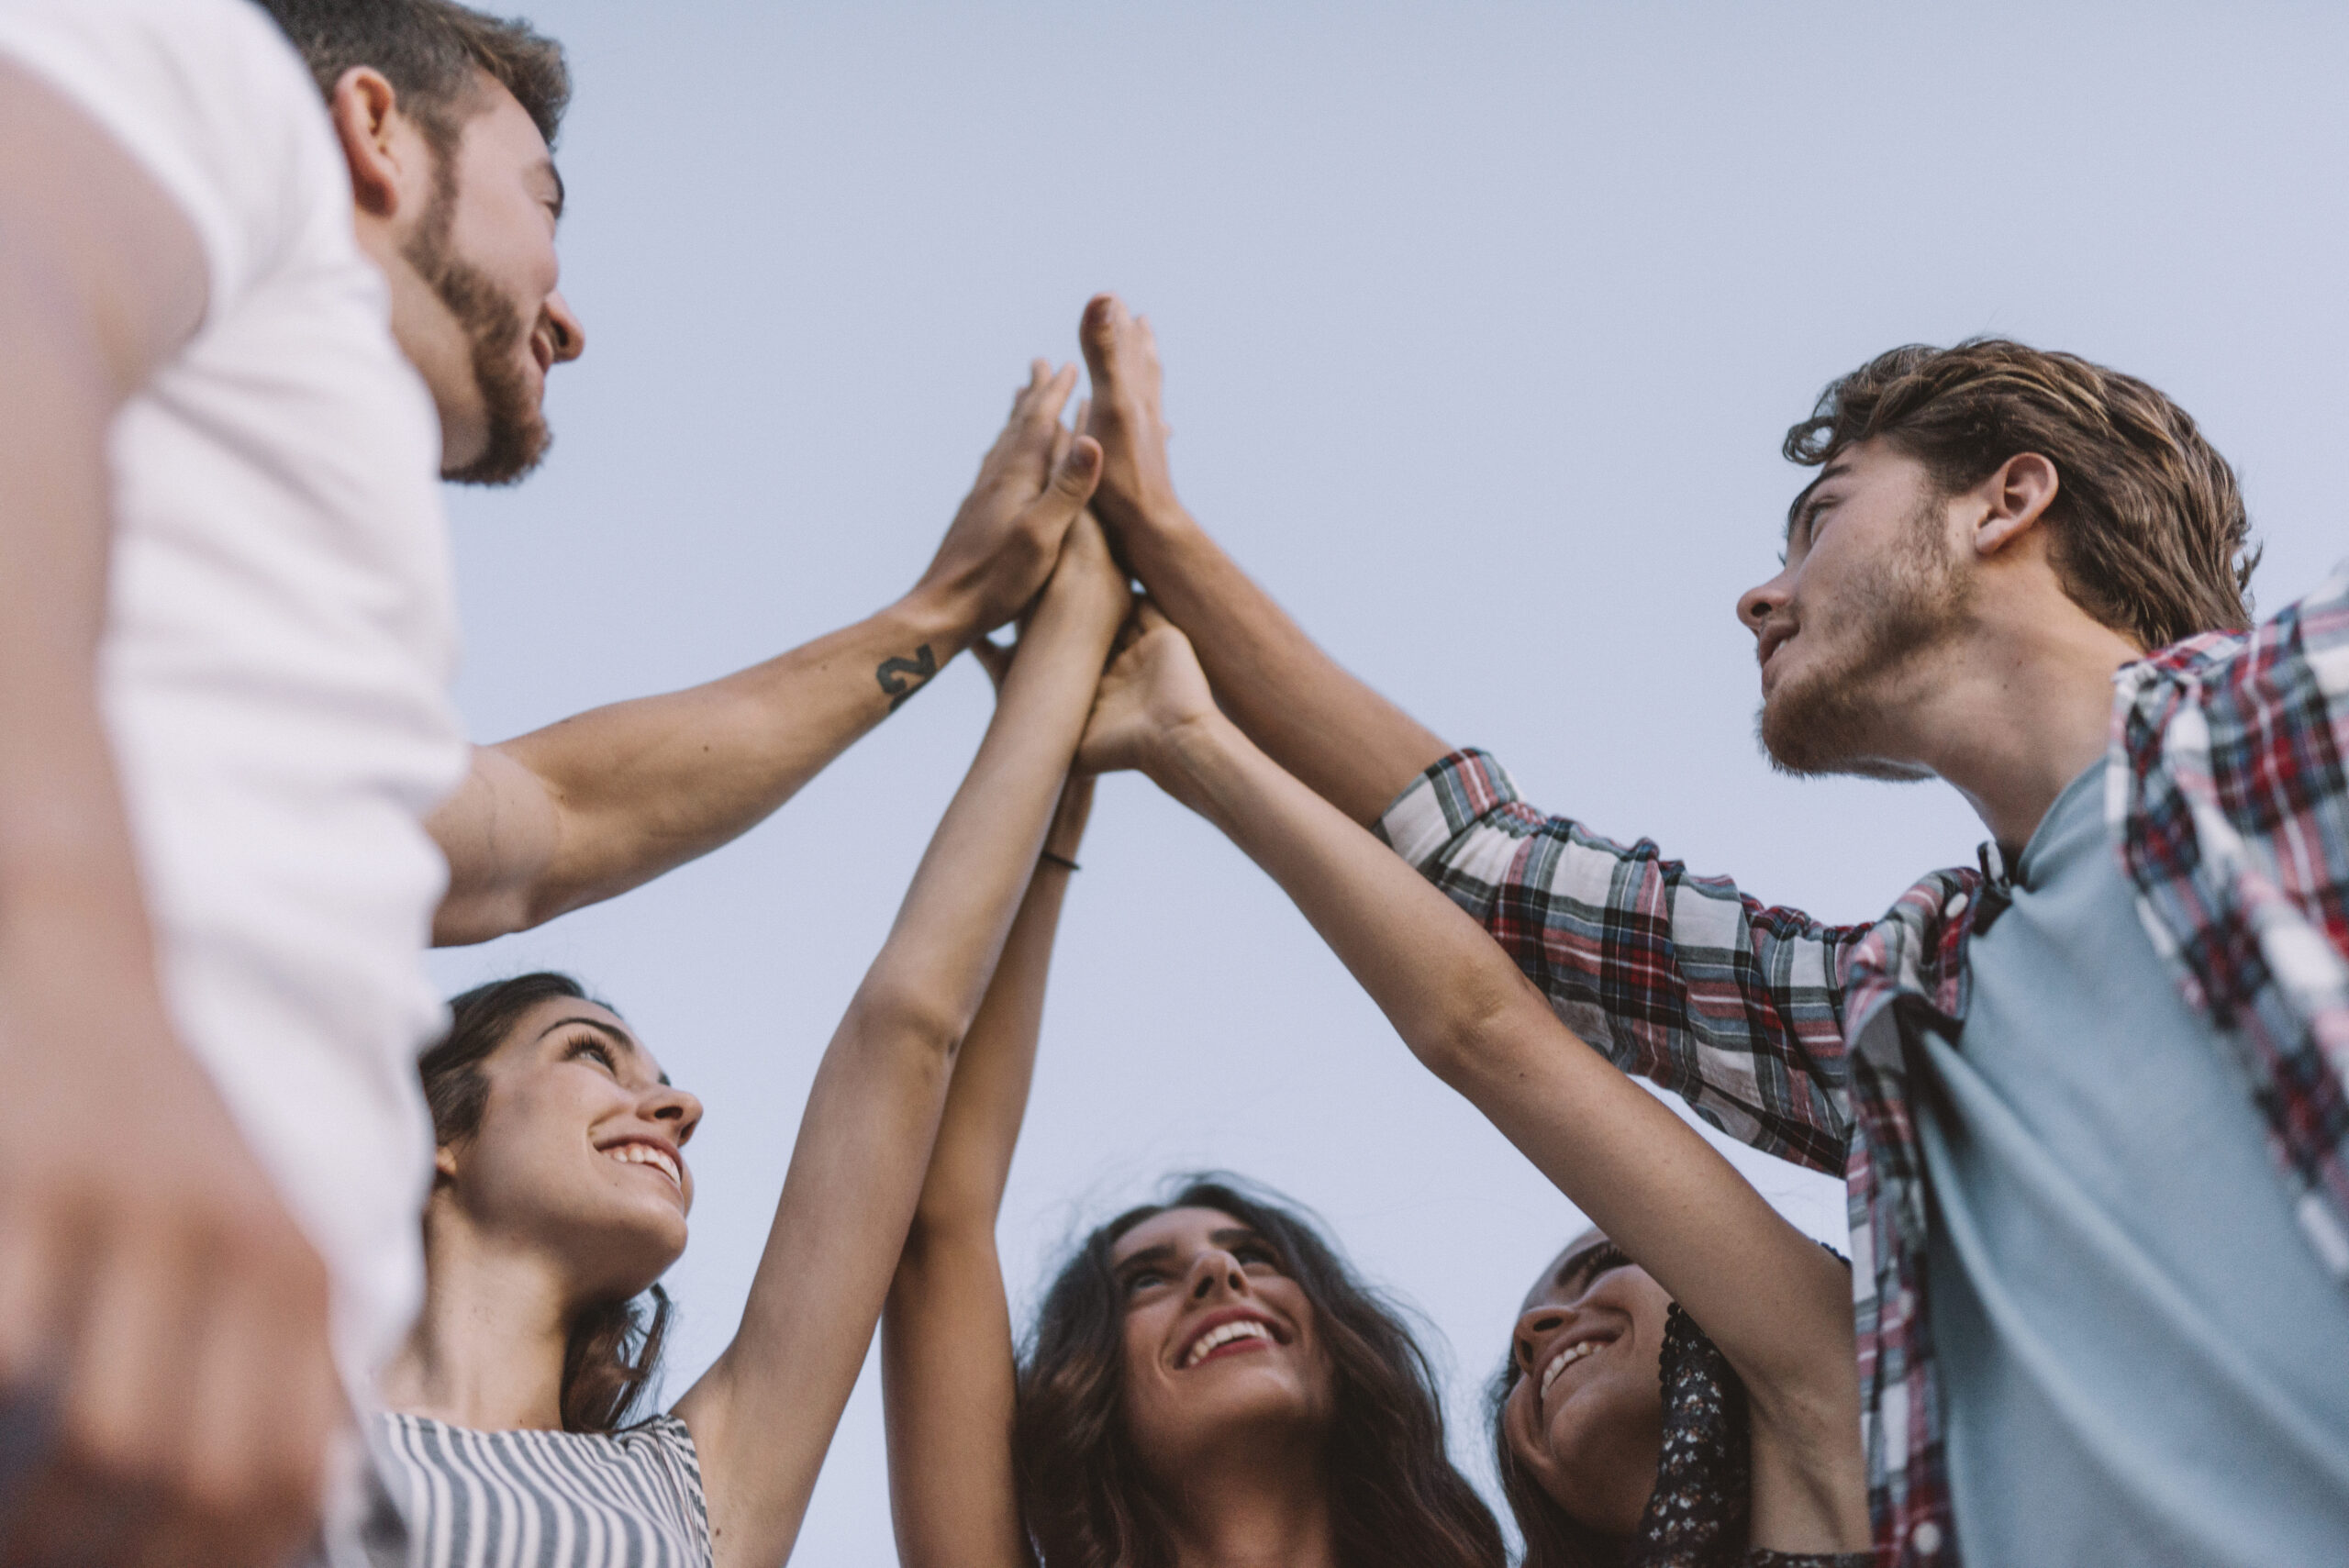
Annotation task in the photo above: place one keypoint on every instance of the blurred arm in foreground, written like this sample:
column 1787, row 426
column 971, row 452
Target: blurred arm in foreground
column 165, row 1381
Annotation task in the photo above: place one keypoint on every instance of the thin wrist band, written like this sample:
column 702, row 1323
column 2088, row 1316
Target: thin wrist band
column 1061, row 860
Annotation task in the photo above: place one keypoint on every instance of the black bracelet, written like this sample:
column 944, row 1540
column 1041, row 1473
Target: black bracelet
column 1061, row 860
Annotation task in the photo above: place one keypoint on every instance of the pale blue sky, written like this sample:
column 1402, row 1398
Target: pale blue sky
column 1483, row 322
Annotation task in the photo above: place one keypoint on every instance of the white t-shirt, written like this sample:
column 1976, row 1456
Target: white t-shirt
column 282, row 634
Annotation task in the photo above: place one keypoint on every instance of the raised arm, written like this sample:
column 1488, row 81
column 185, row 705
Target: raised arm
column 594, row 805
column 947, row 1378
column 1352, row 746
column 165, row 1384
column 762, row 1417
column 1778, row 1305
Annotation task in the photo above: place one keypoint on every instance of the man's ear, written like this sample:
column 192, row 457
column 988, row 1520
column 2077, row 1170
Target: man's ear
column 444, row 1164
column 364, row 108
column 2017, row 496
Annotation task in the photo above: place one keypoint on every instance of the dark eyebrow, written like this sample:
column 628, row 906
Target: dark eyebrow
column 1161, row 1253
column 1238, row 1235
column 1578, row 1268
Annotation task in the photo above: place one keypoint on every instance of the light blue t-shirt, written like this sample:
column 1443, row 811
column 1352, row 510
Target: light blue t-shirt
column 2143, row 1361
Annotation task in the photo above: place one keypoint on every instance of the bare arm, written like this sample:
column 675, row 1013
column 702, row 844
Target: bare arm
column 154, row 1296
column 1778, row 1305
column 1348, row 744
column 947, row 1377
column 763, row 1415
column 588, row 808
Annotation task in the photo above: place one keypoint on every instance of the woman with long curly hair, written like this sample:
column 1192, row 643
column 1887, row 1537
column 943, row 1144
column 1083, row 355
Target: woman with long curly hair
column 1207, row 1384
column 561, row 1186
column 1628, row 1435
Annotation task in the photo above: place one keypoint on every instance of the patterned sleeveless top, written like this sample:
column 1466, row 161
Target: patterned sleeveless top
column 1697, row 1516
column 538, row 1499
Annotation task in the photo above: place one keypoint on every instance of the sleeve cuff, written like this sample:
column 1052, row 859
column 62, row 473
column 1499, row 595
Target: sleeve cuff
column 1443, row 803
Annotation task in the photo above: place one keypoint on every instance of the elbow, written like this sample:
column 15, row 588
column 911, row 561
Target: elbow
column 1471, row 1036
column 470, row 916
column 918, row 1023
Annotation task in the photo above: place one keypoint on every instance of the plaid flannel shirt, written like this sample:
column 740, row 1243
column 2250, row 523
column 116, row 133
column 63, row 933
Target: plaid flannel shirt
column 2229, row 806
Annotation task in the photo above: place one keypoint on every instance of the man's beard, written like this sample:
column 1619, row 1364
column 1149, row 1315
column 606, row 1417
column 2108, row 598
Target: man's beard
column 497, row 334
column 1831, row 718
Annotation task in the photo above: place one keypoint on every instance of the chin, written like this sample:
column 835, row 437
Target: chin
column 625, row 1256
column 1822, row 729
column 1211, row 1419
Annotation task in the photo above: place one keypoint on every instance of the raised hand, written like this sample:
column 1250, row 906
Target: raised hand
column 1008, row 532
column 1126, row 416
column 1153, row 692
column 1085, row 571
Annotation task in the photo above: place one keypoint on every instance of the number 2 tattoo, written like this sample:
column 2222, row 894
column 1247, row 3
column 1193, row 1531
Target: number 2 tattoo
column 901, row 678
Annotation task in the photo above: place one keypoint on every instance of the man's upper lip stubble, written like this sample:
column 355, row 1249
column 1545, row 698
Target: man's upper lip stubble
column 1217, row 1319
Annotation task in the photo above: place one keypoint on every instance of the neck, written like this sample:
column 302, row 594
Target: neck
column 2019, row 715
column 487, row 1350
column 1253, row 1506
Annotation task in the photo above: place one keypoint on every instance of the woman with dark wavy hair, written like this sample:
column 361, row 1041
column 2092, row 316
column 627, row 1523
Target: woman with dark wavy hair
column 1627, row 1435
column 561, row 1186
column 1207, row 1383
column 1223, row 1276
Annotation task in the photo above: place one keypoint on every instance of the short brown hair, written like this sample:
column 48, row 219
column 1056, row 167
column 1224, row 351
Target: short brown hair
column 428, row 51
column 2148, row 530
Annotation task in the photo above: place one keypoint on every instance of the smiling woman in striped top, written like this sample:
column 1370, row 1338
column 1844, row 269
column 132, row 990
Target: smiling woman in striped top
column 562, row 1186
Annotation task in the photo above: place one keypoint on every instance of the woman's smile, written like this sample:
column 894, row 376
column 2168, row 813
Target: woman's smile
column 1573, row 1354
column 643, row 1152
column 1234, row 1330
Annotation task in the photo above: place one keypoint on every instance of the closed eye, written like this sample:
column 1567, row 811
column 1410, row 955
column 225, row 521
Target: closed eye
column 1585, row 1270
column 590, row 1045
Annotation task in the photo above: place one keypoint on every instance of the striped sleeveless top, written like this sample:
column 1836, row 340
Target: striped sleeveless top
column 538, row 1499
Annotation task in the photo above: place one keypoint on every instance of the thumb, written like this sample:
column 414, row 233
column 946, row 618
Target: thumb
column 1096, row 330
column 1077, row 473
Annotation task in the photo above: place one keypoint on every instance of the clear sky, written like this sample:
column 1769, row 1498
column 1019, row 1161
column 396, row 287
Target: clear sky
column 1483, row 322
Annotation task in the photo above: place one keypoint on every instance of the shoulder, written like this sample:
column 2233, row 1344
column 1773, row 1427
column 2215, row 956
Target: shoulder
column 2314, row 628
column 210, row 99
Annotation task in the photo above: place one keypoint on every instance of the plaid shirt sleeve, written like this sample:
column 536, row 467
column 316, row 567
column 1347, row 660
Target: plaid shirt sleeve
column 1679, row 979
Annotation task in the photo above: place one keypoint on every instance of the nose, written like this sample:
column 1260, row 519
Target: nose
column 563, row 326
column 1757, row 604
column 1533, row 1328
column 674, row 1111
column 1215, row 1269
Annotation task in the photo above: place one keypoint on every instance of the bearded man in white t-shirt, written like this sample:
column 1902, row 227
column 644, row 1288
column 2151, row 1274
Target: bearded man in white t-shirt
column 238, row 342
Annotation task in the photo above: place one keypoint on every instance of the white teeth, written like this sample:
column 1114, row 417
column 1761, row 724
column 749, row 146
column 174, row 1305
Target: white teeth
column 1223, row 1334
column 645, row 1155
column 1563, row 1360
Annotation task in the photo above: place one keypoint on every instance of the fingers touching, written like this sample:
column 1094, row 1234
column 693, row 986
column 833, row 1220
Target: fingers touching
column 1126, row 415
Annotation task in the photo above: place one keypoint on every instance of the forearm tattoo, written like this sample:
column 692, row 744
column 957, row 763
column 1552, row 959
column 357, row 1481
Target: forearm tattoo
column 901, row 678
